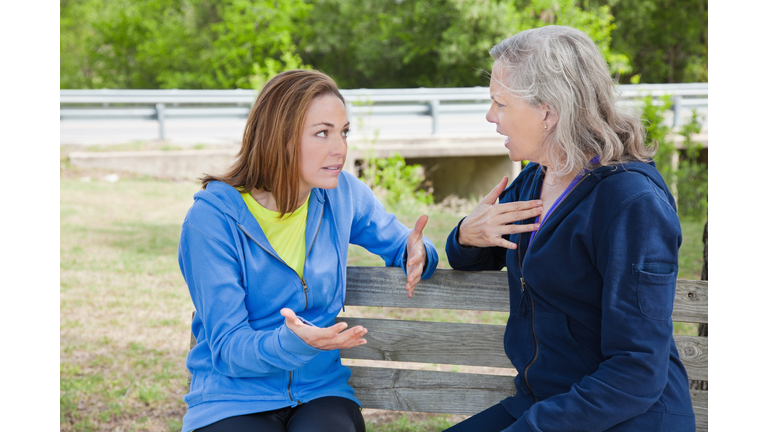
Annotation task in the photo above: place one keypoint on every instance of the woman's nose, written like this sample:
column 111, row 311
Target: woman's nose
column 490, row 116
column 339, row 147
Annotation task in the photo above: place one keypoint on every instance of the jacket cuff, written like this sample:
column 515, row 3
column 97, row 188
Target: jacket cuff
column 293, row 349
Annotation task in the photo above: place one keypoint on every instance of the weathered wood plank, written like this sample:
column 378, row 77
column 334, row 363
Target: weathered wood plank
column 694, row 353
column 700, row 401
column 430, row 342
column 451, row 393
column 428, row 391
column 486, row 290
column 471, row 344
column 446, row 289
column 691, row 302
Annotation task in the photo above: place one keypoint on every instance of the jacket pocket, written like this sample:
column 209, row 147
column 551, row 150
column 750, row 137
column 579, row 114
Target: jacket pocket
column 655, row 289
column 561, row 361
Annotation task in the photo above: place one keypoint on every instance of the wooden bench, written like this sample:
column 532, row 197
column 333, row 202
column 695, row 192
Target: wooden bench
column 466, row 344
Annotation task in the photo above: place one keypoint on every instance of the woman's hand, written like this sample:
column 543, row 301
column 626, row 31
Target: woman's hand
column 417, row 255
column 329, row 338
column 489, row 221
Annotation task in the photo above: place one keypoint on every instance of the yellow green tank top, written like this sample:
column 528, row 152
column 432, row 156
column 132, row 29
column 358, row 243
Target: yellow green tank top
column 286, row 234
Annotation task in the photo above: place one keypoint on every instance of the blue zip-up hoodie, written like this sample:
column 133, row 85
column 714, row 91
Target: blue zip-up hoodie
column 246, row 360
column 590, row 328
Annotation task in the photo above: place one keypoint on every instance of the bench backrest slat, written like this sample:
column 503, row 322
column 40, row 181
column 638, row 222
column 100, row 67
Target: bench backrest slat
column 486, row 291
column 470, row 344
column 429, row 391
column 452, row 393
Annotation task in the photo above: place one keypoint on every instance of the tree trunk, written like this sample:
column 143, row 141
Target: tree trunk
column 702, row 385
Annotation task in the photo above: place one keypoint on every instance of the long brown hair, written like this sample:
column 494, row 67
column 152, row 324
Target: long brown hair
column 269, row 156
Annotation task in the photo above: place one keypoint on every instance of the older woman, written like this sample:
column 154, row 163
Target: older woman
column 589, row 235
column 263, row 251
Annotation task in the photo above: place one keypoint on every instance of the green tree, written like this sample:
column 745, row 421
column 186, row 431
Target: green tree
column 666, row 40
column 177, row 43
column 432, row 43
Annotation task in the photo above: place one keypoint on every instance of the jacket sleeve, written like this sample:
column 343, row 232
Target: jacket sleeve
column 381, row 233
column 213, row 274
column 637, row 258
column 473, row 259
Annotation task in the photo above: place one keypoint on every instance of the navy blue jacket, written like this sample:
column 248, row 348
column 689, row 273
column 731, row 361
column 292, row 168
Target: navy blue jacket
column 590, row 327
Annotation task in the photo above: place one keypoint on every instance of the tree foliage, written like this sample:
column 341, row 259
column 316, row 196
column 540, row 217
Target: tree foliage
column 441, row 43
column 366, row 43
column 666, row 40
column 177, row 43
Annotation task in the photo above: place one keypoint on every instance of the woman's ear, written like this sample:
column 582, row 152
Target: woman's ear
column 549, row 116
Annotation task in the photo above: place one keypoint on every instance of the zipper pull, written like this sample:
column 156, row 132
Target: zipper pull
column 304, row 283
column 522, row 285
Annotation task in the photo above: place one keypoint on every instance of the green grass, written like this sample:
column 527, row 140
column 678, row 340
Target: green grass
column 125, row 311
column 404, row 424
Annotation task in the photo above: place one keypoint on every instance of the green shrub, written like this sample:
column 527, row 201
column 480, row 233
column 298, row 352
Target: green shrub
column 692, row 176
column 689, row 182
column 394, row 182
column 656, row 130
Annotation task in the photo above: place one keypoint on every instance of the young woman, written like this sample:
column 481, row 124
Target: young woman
column 589, row 235
column 263, row 251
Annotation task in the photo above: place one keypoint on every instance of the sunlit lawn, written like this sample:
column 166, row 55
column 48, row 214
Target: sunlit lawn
column 125, row 311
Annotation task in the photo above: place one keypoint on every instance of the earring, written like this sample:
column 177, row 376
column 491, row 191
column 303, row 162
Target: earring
column 545, row 125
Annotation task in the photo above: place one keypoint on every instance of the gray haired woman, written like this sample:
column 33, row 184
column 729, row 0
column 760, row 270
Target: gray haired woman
column 589, row 235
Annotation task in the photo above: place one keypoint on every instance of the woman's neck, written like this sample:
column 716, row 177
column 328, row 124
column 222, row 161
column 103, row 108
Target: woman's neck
column 552, row 180
column 267, row 200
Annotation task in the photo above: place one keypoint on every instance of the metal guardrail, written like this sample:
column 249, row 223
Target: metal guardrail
column 164, row 104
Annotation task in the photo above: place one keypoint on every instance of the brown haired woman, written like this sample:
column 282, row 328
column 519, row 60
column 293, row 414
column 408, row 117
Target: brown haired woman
column 263, row 251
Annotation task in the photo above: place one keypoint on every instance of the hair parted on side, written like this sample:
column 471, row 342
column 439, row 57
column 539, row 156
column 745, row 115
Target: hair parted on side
column 560, row 66
column 269, row 156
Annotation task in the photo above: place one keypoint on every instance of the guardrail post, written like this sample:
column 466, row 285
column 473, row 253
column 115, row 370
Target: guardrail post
column 161, row 119
column 678, row 109
column 434, row 106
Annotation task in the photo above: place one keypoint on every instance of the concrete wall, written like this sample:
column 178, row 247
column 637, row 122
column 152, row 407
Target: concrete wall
column 467, row 176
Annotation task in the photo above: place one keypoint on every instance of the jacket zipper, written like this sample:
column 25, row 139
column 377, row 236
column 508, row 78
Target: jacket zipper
column 303, row 282
column 290, row 378
column 530, row 297
column 290, row 396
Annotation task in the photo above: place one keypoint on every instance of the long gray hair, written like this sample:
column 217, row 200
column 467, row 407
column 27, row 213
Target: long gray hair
column 561, row 67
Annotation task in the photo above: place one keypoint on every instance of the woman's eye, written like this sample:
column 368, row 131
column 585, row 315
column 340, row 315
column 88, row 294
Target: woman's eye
column 322, row 134
column 345, row 133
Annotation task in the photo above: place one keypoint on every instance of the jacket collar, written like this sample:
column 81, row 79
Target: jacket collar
column 229, row 201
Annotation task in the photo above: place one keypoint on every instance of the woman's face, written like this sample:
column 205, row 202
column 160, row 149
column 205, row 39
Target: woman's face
column 522, row 124
column 323, row 144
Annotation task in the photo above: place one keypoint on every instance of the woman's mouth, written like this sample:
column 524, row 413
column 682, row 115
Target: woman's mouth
column 333, row 169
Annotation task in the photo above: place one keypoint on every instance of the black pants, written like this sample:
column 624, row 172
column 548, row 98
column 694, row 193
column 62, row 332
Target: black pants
column 330, row 414
column 494, row 419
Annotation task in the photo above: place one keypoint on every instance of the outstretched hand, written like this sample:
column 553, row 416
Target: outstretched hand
column 487, row 223
column 417, row 255
column 329, row 338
